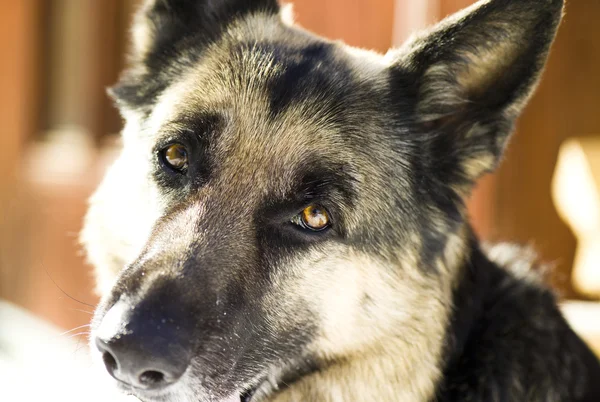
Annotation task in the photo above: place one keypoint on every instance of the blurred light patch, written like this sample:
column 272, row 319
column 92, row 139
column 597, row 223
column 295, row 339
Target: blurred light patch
column 64, row 157
column 576, row 193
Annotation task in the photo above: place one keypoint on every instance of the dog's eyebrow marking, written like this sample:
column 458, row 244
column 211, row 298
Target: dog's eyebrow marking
column 332, row 185
column 314, row 182
column 198, row 123
column 317, row 183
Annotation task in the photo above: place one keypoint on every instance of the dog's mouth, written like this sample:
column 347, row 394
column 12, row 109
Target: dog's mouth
column 246, row 395
column 146, row 396
column 275, row 378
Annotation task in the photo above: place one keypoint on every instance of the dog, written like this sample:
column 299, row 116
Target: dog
column 287, row 221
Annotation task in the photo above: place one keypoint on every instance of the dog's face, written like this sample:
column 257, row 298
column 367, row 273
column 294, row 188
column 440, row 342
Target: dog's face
column 283, row 201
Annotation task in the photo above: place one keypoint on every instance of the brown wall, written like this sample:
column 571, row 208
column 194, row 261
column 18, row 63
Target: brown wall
column 362, row 23
column 18, row 82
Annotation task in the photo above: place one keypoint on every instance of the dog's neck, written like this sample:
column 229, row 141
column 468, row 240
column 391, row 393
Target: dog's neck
column 468, row 300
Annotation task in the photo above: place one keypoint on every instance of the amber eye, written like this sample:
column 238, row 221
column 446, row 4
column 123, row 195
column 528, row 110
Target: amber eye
column 175, row 156
column 313, row 217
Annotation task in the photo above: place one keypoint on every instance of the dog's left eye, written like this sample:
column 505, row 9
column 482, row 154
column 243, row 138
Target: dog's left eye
column 313, row 217
column 175, row 156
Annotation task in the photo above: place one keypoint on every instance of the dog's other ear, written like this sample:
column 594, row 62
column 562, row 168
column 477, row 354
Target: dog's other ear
column 169, row 36
column 162, row 26
column 466, row 81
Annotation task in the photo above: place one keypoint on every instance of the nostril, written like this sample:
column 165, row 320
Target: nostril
column 109, row 362
column 151, row 378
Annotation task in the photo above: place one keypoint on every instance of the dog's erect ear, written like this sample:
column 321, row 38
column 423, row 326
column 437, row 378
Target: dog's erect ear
column 162, row 25
column 469, row 77
column 169, row 35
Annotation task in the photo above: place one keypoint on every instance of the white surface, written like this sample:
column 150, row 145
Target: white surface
column 38, row 363
column 584, row 317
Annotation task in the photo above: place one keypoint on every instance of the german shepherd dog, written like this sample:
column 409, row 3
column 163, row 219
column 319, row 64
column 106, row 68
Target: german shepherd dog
column 287, row 222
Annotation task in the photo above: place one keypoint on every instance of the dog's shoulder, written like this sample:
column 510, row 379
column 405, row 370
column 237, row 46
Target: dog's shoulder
column 508, row 338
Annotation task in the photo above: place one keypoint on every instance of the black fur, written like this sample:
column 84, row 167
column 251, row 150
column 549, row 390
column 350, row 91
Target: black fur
column 306, row 71
column 506, row 334
column 181, row 30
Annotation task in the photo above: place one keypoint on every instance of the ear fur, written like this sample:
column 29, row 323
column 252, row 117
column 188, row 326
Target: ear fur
column 170, row 34
column 161, row 24
column 471, row 75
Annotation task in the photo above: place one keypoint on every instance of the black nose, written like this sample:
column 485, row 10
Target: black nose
column 143, row 348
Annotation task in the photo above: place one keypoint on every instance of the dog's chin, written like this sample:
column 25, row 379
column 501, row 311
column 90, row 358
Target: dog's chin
column 187, row 397
column 187, row 391
column 178, row 393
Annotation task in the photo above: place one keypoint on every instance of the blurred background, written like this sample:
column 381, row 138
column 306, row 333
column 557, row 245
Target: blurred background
column 59, row 131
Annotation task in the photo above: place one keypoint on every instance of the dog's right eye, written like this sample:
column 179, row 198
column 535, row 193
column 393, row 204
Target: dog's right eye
column 175, row 157
column 313, row 217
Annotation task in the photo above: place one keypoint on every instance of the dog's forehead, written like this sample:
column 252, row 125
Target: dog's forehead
column 281, row 101
column 280, row 80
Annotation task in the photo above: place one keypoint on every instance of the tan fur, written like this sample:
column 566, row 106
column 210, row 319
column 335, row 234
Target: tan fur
column 373, row 327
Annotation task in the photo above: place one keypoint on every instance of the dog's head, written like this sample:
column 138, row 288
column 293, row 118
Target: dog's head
column 283, row 202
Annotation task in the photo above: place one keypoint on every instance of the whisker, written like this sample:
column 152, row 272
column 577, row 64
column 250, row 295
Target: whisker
column 65, row 293
column 82, row 311
column 80, row 346
column 78, row 334
column 77, row 345
column 75, row 329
